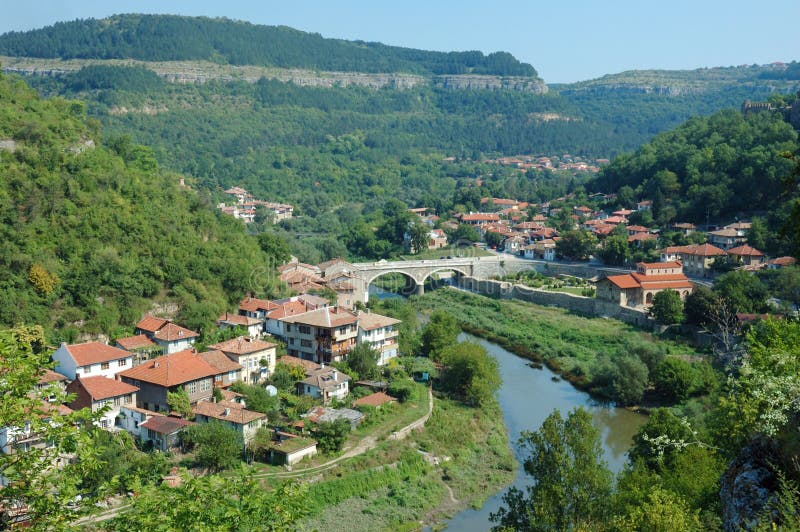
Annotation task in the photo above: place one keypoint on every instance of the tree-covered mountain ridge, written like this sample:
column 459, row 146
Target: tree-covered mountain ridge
column 201, row 71
column 91, row 233
column 221, row 40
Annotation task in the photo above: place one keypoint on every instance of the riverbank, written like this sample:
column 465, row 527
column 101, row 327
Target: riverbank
column 460, row 458
column 576, row 347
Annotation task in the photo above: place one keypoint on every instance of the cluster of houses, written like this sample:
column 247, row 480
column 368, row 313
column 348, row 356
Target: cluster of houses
column 242, row 205
column 523, row 163
column 130, row 383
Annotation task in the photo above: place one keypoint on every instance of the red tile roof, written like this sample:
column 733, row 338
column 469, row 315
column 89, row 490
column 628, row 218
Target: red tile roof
column 50, row 376
column 242, row 345
column 236, row 319
column 324, row 317
column 296, row 361
column 151, row 324
column 220, row 361
column 703, row 250
column 251, row 304
column 131, row 343
column 783, row 261
column 165, row 424
column 480, row 217
column 375, row 399
column 624, row 281
column 638, row 229
column 100, row 387
column 638, row 237
column 745, row 251
column 227, row 411
column 171, row 370
column 172, row 333
column 95, row 353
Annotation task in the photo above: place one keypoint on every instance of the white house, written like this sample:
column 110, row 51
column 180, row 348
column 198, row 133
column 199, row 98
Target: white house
column 256, row 357
column 170, row 337
column 379, row 332
column 326, row 383
column 91, row 359
column 98, row 392
column 254, row 326
column 246, row 422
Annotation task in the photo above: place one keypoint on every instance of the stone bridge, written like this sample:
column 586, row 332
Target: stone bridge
column 418, row 271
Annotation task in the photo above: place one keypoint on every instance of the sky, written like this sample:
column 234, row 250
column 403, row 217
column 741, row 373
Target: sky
column 565, row 40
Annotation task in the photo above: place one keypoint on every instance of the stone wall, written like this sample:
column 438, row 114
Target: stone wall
column 583, row 305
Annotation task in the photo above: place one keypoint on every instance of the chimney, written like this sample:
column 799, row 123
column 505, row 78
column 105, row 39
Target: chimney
column 226, row 412
column 335, row 375
column 155, row 364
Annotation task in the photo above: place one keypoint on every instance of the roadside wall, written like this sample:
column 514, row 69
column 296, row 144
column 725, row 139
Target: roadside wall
column 583, row 305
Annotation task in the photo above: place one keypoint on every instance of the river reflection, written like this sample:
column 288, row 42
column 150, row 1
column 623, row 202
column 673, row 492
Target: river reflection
column 527, row 397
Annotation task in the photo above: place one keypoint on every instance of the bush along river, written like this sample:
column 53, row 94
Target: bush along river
column 527, row 396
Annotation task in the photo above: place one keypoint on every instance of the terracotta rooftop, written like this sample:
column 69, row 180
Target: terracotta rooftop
column 227, row 411
column 745, row 251
column 370, row 321
column 624, row 281
column 480, row 217
column 165, row 424
column 251, row 304
column 308, row 365
column 324, row 317
column 375, row 399
column 131, row 343
column 99, row 387
column 659, row 265
column 172, row 333
column 238, row 320
column 151, row 324
column 220, row 361
column 171, row 370
column 95, row 353
column 50, row 376
column 703, row 250
column 638, row 229
column 325, row 377
column 242, row 345
column 290, row 308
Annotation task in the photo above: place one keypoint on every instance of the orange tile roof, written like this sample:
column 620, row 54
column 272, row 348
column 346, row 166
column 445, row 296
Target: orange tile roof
column 638, row 237
column 660, row 277
column 220, row 361
column 171, row 370
column 165, row 424
column 289, row 308
column 95, row 353
column 242, row 345
column 324, row 317
column 151, row 324
column 783, row 261
column 745, row 251
column 99, row 387
column 252, row 304
column 480, row 217
column 171, row 333
column 655, row 265
column 227, row 411
column 375, row 399
column 638, row 229
column 369, row 321
column 236, row 319
column 135, row 342
column 296, row 361
column 50, row 376
column 655, row 285
column 624, row 281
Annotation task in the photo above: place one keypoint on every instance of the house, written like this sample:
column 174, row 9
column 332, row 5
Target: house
column 97, row 392
column 638, row 238
column 131, row 417
column 16, row 439
column 229, row 371
column 781, row 262
column 746, row 255
column 380, row 333
column 333, row 267
column 637, row 289
column 514, row 244
column 644, row 205
column 170, row 337
column 253, row 326
column 256, row 357
column 256, row 308
column 697, row 258
column 245, row 422
column 323, row 335
column 285, row 308
column 52, row 381
column 141, row 346
column 325, row 414
column 163, row 431
column 348, row 288
column 376, row 400
column 437, row 239
column 91, row 358
column 479, row 218
column 288, row 449
column 169, row 373
column 326, row 383
column 726, row 238
column 684, row 227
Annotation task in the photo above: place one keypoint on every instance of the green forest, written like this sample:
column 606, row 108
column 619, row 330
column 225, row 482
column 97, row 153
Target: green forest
column 93, row 232
column 170, row 38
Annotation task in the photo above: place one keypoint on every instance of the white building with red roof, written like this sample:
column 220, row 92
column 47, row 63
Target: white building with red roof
column 256, row 357
column 637, row 289
column 170, row 337
column 91, row 359
column 96, row 393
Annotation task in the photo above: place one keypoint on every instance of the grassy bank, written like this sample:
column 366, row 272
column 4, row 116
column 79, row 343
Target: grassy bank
column 461, row 457
column 570, row 344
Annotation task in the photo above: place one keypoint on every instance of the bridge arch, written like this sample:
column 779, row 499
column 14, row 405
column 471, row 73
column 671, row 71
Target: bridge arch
column 457, row 269
column 410, row 287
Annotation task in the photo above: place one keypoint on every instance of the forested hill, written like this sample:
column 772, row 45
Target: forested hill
column 712, row 168
column 91, row 234
column 174, row 38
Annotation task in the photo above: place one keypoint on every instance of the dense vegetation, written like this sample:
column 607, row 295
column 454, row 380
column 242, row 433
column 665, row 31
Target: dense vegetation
column 92, row 233
column 711, row 169
column 170, row 38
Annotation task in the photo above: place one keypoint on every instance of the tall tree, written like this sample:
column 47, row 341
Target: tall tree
column 667, row 307
column 571, row 481
column 440, row 332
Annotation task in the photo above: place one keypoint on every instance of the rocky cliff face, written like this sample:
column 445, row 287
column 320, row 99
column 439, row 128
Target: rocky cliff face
column 748, row 486
column 204, row 71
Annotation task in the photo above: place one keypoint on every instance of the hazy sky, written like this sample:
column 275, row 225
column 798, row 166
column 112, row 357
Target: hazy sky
column 565, row 40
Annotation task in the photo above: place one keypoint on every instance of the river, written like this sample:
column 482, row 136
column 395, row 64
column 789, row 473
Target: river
column 527, row 396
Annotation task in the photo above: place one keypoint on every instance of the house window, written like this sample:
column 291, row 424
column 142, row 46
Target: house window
column 191, row 387
column 305, row 329
column 291, row 341
column 123, row 362
column 104, row 423
column 87, row 369
column 288, row 328
column 128, row 399
column 104, row 365
column 231, row 375
column 305, row 343
column 117, row 401
column 205, row 385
